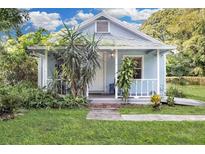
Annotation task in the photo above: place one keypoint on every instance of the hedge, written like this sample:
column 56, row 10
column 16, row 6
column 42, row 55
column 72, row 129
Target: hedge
column 188, row 79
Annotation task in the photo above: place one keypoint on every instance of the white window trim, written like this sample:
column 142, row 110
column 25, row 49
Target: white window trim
column 102, row 21
column 141, row 56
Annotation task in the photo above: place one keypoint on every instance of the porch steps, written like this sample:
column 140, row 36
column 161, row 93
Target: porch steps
column 115, row 103
column 111, row 106
column 105, row 104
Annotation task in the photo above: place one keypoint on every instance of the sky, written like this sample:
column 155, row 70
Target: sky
column 51, row 18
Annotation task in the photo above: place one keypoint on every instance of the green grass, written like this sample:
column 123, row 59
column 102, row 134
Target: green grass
column 71, row 127
column 164, row 110
column 193, row 91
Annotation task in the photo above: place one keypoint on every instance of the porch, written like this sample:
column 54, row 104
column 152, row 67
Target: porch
column 145, row 84
column 150, row 78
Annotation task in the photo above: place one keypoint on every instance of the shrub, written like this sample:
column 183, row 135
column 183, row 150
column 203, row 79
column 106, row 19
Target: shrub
column 9, row 103
column 40, row 99
column 156, row 100
column 28, row 96
column 181, row 81
column 175, row 92
column 170, row 100
column 192, row 80
column 125, row 76
column 74, row 102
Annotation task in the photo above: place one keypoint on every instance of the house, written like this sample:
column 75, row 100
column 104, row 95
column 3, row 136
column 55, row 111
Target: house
column 118, row 40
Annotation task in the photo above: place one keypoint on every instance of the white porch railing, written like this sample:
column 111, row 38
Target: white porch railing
column 139, row 87
column 142, row 88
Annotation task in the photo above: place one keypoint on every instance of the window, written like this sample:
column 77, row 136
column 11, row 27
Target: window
column 102, row 26
column 138, row 68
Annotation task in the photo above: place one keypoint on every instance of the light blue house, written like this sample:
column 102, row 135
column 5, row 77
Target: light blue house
column 118, row 41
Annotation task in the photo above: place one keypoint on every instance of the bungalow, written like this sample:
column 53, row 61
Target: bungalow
column 118, row 40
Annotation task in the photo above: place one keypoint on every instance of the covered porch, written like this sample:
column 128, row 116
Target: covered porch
column 150, row 77
column 145, row 83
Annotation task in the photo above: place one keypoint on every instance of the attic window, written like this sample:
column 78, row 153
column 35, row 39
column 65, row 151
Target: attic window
column 102, row 26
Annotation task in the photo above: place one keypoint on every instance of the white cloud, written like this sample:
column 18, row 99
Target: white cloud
column 118, row 13
column 143, row 14
column 71, row 22
column 133, row 13
column 80, row 16
column 49, row 21
column 131, row 24
column 83, row 16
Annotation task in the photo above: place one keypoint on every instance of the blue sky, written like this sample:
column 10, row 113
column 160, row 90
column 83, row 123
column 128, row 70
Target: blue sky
column 51, row 18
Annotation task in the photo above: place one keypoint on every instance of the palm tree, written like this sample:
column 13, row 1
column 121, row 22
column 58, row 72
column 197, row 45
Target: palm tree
column 80, row 59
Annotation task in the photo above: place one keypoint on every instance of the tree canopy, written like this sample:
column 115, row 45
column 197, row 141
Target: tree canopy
column 184, row 28
column 12, row 19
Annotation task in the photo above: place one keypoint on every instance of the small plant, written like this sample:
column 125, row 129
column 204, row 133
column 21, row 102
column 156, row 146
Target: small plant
column 170, row 100
column 125, row 76
column 175, row 92
column 71, row 101
column 156, row 100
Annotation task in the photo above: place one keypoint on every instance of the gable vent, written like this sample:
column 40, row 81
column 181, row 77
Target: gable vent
column 102, row 26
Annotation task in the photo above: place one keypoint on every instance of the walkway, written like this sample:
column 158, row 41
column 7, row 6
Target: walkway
column 162, row 117
column 106, row 109
column 104, row 114
column 114, row 115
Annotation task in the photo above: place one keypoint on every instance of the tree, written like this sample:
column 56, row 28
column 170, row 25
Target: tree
column 15, row 64
column 185, row 29
column 12, row 20
column 80, row 59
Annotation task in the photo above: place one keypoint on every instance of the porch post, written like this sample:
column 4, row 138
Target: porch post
column 46, row 70
column 39, row 71
column 87, row 91
column 158, row 73
column 116, row 70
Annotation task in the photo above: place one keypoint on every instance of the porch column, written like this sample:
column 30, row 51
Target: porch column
column 87, row 91
column 40, row 71
column 45, row 72
column 158, row 73
column 116, row 70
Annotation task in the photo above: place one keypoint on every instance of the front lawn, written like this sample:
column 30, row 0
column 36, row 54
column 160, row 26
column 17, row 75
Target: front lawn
column 192, row 91
column 71, row 127
column 177, row 109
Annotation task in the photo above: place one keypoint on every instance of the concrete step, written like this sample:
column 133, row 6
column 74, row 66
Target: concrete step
column 104, row 105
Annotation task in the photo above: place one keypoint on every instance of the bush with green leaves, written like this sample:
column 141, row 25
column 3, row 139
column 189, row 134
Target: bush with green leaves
column 175, row 92
column 71, row 101
column 180, row 80
column 26, row 95
column 125, row 76
column 170, row 100
column 9, row 103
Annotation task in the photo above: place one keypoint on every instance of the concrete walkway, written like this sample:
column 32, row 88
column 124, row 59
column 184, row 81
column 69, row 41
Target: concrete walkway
column 104, row 114
column 162, row 117
column 114, row 115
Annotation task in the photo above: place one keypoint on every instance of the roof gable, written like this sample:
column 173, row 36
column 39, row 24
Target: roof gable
column 104, row 15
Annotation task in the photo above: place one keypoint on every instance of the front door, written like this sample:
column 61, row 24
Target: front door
column 98, row 83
